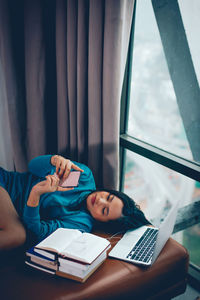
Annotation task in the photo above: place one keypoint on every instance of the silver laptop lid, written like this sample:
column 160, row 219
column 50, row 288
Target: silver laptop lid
column 165, row 230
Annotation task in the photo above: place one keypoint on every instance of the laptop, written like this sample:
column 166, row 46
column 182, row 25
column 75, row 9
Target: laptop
column 143, row 245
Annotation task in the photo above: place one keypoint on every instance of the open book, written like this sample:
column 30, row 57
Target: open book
column 73, row 244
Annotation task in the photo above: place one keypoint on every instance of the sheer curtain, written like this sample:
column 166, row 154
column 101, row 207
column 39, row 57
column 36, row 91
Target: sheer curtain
column 6, row 155
column 63, row 63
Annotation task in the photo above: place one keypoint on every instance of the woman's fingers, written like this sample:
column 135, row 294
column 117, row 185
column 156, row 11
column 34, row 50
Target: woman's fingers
column 75, row 167
column 48, row 179
column 61, row 189
column 52, row 180
column 62, row 168
column 55, row 180
column 68, row 168
column 58, row 164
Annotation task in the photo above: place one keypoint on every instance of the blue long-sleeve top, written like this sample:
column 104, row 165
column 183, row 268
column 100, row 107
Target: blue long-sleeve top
column 56, row 209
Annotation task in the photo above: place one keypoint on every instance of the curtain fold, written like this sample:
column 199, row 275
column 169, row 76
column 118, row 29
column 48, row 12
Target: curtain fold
column 13, row 75
column 6, row 155
column 63, row 120
column 117, row 26
column 95, row 89
column 82, row 80
column 34, row 55
column 63, row 63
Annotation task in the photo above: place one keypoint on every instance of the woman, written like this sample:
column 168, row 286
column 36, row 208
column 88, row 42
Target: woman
column 33, row 205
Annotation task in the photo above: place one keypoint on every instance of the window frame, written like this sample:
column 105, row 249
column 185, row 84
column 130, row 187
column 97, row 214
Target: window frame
column 181, row 165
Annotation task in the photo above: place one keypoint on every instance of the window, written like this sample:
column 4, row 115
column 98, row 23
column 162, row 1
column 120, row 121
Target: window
column 160, row 112
column 154, row 114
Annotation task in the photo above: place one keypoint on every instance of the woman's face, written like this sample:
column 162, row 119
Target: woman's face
column 104, row 206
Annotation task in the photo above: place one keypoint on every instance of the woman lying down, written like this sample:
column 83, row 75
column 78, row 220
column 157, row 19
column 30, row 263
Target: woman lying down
column 33, row 204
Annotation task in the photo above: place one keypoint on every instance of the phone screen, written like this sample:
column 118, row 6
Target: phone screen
column 72, row 180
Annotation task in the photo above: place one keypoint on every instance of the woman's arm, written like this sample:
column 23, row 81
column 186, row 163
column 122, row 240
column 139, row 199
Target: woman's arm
column 49, row 164
column 47, row 186
column 41, row 166
column 31, row 216
column 40, row 229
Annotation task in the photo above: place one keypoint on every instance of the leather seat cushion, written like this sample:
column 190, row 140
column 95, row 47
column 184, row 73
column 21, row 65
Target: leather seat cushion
column 114, row 279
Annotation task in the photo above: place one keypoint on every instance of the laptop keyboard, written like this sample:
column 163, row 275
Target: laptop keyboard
column 143, row 250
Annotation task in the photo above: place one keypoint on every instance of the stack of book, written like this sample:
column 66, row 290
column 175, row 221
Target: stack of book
column 69, row 253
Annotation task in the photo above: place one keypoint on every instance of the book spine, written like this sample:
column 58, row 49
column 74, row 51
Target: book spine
column 46, row 253
column 39, row 267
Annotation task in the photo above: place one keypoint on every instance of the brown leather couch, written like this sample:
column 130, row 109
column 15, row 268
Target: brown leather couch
column 115, row 279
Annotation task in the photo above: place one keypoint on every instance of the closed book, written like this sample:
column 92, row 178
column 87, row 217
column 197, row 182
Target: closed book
column 39, row 259
column 73, row 244
column 78, row 278
column 47, row 253
column 65, row 266
column 33, row 254
column 75, row 264
column 39, row 267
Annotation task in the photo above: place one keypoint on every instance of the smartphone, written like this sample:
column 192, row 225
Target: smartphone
column 72, row 180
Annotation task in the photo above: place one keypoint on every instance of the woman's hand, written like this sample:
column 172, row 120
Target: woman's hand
column 63, row 166
column 46, row 186
column 49, row 185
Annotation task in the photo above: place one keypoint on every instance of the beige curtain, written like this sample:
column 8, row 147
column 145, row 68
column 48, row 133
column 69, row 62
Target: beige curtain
column 63, row 63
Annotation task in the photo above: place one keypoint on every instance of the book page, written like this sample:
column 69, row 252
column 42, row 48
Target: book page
column 59, row 239
column 86, row 248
